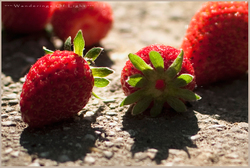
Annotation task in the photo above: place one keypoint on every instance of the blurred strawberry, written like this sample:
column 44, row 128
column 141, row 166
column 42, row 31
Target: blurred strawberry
column 93, row 18
column 26, row 17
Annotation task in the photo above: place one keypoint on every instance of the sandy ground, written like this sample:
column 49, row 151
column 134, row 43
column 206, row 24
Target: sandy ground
column 214, row 131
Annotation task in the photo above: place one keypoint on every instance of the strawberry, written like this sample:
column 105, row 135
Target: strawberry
column 94, row 18
column 158, row 76
column 216, row 41
column 60, row 84
column 26, row 17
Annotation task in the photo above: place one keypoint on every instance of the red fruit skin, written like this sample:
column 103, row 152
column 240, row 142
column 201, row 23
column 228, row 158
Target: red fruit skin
column 57, row 86
column 216, row 41
column 26, row 17
column 168, row 53
column 94, row 18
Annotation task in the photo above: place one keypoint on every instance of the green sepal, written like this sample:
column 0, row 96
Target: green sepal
column 176, row 104
column 157, row 108
column 137, row 80
column 133, row 97
column 98, row 97
column 186, row 94
column 100, row 82
column 140, row 64
column 47, row 51
column 79, row 43
column 101, row 71
column 142, row 105
column 183, row 80
column 93, row 53
column 157, row 60
column 175, row 67
column 67, row 44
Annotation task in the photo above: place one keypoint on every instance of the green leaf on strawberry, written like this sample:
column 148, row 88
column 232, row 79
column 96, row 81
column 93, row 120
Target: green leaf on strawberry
column 100, row 82
column 79, row 43
column 101, row 71
column 47, row 51
column 93, row 53
column 157, row 85
column 67, row 44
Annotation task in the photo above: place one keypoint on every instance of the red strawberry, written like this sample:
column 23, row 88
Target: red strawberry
column 26, row 17
column 216, row 41
column 158, row 74
column 59, row 84
column 94, row 18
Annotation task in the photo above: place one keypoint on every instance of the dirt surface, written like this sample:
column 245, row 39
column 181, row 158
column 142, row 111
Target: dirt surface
column 214, row 131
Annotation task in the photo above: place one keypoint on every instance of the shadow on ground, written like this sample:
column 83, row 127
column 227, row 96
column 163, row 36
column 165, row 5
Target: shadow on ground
column 19, row 52
column 62, row 142
column 168, row 131
column 227, row 99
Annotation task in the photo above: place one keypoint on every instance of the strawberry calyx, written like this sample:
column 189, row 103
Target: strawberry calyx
column 99, row 73
column 158, row 85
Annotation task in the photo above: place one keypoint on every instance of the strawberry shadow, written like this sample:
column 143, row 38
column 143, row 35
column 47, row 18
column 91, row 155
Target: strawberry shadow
column 62, row 142
column 20, row 51
column 170, row 130
column 226, row 100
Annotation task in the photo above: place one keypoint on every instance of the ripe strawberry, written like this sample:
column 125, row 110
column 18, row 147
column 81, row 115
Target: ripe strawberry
column 94, row 18
column 216, row 41
column 26, row 17
column 158, row 74
column 60, row 83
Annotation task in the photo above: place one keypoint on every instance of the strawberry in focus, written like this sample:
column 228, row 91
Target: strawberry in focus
column 26, row 17
column 60, row 84
column 158, row 76
column 94, row 18
column 216, row 41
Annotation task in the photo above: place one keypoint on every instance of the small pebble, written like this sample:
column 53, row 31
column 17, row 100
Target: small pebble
column 89, row 137
column 89, row 114
column 112, row 106
column 108, row 154
column 15, row 154
column 236, row 130
column 140, row 156
column 17, row 118
column 232, row 156
column 34, row 164
column 151, row 153
column 63, row 158
column 44, row 154
column 195, row 137
column 13, row 102
column 9, row 109
column 8, row 150
column 111, row 133
column 13, row 113
column 112, row 124
column 10, row 96
column 111, row 113
column 98, row 132
column 4, row 115
column 109, row 101
column 8, row 123
column 22, row 80
column 108, row 143
column 13, row 85
column 115, row 119
column 119, row 140
column 118, row 129
column 216, row 126
column 89, row 159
